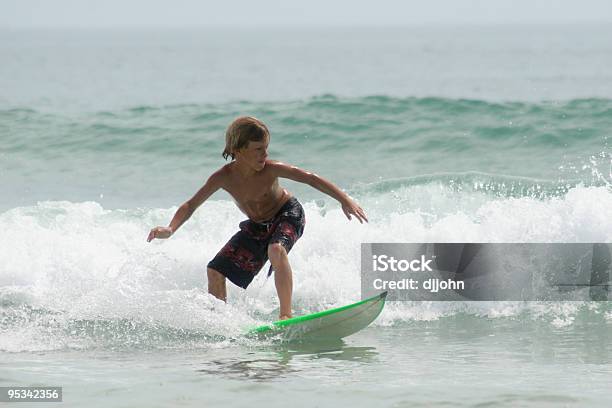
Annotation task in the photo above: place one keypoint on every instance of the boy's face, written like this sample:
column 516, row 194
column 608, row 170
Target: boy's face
column 254, row 154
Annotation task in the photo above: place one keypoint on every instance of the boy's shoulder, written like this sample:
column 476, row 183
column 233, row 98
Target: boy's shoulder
column 274, row 167
column 221, row 174
column 225, row 169
column 275, row 164
column 280, row 168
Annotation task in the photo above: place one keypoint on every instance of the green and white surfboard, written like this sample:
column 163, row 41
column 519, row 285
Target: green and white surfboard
column 329, row 324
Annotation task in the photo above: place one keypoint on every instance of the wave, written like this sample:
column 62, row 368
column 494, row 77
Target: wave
column 494, row 185
column 79, row 275
column 343, row 139
column 549, row 123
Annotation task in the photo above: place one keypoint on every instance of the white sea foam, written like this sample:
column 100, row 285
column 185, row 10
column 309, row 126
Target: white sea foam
column 64, row 265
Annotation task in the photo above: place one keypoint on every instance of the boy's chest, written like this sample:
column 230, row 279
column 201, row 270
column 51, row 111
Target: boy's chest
column 254, row 189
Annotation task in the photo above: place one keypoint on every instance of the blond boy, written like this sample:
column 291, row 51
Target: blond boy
column 275, row 218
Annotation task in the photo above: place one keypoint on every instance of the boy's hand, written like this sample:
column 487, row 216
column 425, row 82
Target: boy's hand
column 159, row 232
column 351, row 207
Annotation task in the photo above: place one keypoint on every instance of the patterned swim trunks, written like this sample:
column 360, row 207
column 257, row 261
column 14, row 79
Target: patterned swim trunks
column 247, row 251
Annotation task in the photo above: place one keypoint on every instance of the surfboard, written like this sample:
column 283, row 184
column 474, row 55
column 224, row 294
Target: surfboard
column 334, row 323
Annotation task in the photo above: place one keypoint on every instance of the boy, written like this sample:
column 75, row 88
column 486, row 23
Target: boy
column 275, row 218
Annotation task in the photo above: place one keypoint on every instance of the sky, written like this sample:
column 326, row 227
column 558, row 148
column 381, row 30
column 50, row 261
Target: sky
column 279, row 13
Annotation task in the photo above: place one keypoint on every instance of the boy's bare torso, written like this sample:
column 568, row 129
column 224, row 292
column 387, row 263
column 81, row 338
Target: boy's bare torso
column 259, row 196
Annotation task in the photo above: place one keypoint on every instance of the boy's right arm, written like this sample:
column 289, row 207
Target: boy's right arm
column 214, row 182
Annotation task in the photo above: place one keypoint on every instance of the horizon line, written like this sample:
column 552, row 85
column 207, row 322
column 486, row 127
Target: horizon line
column 436, row 24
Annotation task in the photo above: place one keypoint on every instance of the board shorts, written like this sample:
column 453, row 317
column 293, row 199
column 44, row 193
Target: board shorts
column 247, row 251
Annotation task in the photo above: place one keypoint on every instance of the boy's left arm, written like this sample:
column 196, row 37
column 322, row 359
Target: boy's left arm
column 294, row 173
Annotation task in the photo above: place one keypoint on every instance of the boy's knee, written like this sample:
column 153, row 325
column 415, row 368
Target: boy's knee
column 276, row 251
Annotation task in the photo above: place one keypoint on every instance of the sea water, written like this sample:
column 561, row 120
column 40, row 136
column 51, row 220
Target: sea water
column 461, row 134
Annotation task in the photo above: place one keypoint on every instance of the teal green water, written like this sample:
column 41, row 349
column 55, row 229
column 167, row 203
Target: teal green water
column 135, row 156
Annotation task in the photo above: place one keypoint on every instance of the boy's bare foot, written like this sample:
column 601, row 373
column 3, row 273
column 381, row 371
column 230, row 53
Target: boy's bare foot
column 284, row 317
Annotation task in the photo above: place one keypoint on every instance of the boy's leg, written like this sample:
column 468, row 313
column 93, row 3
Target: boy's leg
column 283, row 278
column 216, row 284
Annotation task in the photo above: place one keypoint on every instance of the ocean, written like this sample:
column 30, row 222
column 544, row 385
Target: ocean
column 441, row 134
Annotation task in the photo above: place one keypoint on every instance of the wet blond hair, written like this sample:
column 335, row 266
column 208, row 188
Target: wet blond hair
column 241, row 131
